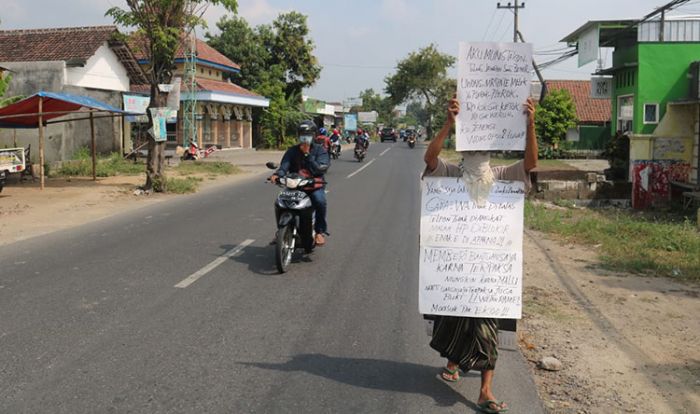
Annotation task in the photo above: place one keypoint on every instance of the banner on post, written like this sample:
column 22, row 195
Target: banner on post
column 493, row 83
column 471, row 260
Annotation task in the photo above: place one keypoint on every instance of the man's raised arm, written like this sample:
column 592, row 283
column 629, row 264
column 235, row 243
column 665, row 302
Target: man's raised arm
column 531, row 150
column 435, row 146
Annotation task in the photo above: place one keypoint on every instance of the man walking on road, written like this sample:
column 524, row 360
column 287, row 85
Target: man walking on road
column 472, row 343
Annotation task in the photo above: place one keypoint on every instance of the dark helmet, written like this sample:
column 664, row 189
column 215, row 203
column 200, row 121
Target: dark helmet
column 306, row 131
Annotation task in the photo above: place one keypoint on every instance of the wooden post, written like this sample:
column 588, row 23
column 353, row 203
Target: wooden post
column 41, row 140
column 94, row 150
column 14, row 137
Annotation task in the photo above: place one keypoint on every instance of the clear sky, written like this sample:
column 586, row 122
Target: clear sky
column 359, row 42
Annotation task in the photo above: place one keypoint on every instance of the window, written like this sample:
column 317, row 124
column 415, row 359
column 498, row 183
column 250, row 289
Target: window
column 651, row 113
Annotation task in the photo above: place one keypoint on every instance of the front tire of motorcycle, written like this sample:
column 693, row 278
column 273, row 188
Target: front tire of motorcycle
column 284, row 248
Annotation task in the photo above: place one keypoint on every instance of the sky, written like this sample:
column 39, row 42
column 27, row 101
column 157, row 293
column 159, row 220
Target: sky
column 359, row 42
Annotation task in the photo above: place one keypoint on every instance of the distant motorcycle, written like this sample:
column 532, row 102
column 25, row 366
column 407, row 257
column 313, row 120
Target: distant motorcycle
column 194, row 153
column 360, row 152
column 295, row 217
column 411, row 141
column 335, row 150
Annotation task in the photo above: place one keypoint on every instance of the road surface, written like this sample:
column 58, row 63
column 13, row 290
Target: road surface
column 178, row 308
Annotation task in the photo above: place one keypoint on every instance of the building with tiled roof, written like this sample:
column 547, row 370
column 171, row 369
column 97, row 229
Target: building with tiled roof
column 90, row 61
column 589, row 111
column 593, row 129
column 224, row 110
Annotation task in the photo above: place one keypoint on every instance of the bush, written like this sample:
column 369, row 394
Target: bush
column 182, row 185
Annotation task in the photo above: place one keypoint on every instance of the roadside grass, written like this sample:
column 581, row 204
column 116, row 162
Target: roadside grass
column 182, row 185
column 106, row 166
column 211, row 168
column 627, row 241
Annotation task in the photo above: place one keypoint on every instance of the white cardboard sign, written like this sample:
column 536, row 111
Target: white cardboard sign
column 493, row 83
column 471, row 261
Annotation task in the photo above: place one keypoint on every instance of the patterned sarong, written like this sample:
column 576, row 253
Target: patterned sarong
column 470, row 342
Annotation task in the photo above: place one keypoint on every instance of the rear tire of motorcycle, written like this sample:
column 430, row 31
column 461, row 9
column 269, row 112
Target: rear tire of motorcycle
column 282, row 257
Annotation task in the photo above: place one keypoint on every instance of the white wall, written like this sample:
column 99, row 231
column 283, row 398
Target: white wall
column 102, row 71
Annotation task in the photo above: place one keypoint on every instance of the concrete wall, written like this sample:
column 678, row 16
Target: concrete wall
column 64, row 139
column 102, row 71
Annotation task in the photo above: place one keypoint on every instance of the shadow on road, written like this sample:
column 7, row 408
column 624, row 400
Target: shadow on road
column 261, row 259
column 376, row 374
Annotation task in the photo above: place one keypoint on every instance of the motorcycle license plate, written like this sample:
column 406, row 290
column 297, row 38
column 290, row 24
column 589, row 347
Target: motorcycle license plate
column 292, row 195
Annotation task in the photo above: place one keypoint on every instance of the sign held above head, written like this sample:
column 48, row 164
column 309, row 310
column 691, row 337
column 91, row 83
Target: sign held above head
column 493, row 84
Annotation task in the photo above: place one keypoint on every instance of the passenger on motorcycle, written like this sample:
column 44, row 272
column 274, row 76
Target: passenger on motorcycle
column 335, row 140
column 322, row 139
column 311, row 160
column 362, row 139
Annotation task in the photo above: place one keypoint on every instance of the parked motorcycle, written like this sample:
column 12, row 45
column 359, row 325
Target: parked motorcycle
column 295, row 217
column 194, row 153
column 335, row 150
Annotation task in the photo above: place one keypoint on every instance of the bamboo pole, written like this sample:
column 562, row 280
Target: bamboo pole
column 14, row 137
column 41, row 140
column 94, row 150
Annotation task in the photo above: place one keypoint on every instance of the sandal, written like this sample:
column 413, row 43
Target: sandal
column 485, row 407
column 450, row 375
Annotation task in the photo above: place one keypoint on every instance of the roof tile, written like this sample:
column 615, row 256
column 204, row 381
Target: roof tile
column 68, row 43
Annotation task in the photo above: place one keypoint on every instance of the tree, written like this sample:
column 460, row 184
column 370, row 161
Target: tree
column 554, row 117
column 161, row 26
column 276, row 61
column 4, row 85
column 422, row 75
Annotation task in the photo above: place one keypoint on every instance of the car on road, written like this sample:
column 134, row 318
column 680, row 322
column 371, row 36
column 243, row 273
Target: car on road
column 387, row 134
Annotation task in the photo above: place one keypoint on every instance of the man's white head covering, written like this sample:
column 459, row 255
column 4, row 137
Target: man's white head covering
column 477, row 175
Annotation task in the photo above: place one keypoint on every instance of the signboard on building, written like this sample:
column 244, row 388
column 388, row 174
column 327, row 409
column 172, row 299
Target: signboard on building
column 601, row 87
column 493, row 83
column 588, row 46
column 367, row 117
column 350, row 122
column 471, row 260
column 136, row 104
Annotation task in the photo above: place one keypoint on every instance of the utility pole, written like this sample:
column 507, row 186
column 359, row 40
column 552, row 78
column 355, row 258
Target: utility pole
column 515, row 9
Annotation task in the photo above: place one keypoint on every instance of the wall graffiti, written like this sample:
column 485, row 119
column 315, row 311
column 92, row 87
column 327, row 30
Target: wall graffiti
column 651, row 181
column 668, row 148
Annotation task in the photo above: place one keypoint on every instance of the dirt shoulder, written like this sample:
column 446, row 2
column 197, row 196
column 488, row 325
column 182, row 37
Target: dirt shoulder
column 627, row 343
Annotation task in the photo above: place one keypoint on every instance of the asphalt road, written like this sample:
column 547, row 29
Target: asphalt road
column 91, row 320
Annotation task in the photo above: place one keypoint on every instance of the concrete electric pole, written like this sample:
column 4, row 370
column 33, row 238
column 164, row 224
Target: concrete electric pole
column 515, row 7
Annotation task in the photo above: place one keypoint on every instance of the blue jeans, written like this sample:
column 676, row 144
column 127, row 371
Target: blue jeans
column 318, row 199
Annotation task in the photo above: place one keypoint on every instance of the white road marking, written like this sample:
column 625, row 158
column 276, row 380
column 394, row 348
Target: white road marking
column 385, row 151
column 213, row 265
column 362, row 168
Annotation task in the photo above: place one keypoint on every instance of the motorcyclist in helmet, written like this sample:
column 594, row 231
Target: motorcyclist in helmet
column 309, row 159
column 322, row 139
column 362, row 139
column 335, row 138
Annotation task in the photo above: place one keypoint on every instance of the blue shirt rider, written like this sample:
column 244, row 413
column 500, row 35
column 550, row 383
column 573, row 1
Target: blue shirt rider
column 310, row 159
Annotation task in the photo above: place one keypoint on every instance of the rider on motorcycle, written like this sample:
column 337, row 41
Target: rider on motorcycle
column 335, row 139
column 362, row 139
column 308, row 159
column 322, row 139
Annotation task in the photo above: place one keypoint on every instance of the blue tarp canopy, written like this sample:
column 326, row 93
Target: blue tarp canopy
column 25, row 113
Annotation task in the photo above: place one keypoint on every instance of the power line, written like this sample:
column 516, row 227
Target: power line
column 489, row 25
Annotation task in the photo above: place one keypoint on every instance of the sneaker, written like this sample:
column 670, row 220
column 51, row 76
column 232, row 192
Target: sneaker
column 320, row 240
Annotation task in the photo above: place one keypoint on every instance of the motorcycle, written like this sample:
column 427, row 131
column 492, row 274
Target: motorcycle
column 335, row 150
column 295, row 217
column 194, row 153
column 411, row 141
column 360, row 152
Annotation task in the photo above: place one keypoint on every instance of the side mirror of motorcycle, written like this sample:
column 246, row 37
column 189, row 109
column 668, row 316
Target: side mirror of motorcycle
column 271, row 165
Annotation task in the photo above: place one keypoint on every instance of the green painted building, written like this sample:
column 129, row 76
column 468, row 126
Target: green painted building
column 654, row 98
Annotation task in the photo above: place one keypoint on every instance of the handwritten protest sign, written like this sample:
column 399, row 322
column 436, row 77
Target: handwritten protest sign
column 493, row 84
column 471, row 259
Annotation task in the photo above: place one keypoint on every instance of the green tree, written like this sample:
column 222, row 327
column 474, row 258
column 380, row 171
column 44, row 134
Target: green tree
column 4, row 85
column 161, row 25
column 554, row 117
column 277, row 61
column 422, row 75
